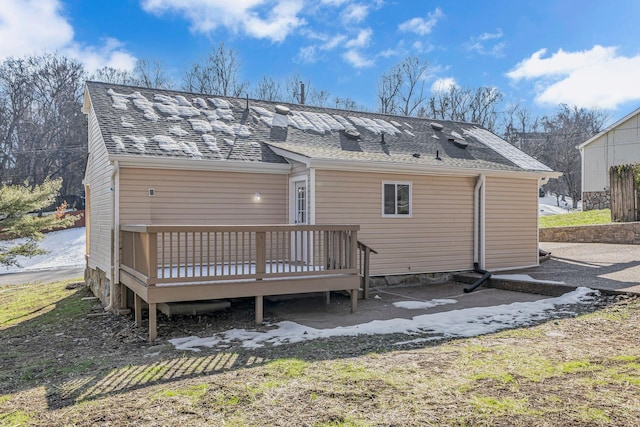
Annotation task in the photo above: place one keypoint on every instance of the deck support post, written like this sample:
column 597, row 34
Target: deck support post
column 365, row 276
column 137, row 308
column 354, row 300
column 153, row 333
column 327, row 297
column 259, row 309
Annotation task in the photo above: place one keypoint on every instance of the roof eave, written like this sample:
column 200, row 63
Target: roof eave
column 86, row 102
column 200, row 164
column 391, row 167
column 609, row 129
column 394, row 167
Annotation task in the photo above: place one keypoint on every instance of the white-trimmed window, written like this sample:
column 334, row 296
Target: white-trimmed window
column 396, row 199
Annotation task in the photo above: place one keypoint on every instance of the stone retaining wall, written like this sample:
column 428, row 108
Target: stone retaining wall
column 99, row 284
column 595, row 200
column 627, row 233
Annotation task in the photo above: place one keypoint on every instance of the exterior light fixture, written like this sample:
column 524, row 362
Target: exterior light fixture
column 257, row 197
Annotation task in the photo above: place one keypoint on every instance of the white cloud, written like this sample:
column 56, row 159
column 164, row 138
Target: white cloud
column 333, row 42
column 355, row 13
column 307, row 55
column 389, row 53
column 422, row 26
column 598, row 77
column 29, row 27
column 110, row 54
column 362, row 39
column 333, row 2
column 256, row 18
column 356, row 59
column 443, row 84
column 420, row 47
column 482, row 44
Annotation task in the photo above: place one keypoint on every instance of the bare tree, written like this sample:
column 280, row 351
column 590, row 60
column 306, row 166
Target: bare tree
column 401, row 88
column 217, row 74
column 348, row 104
column 151, row 74
column 521, row 129
column 564, row 131
column 412, row 91
column 268, row 89
column 388, row 88
column 466, row 105
column 113, row 75
column 43, row 132
column 300, row 91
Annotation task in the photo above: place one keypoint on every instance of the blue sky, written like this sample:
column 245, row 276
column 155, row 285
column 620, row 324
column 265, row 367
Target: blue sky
column 538, row 53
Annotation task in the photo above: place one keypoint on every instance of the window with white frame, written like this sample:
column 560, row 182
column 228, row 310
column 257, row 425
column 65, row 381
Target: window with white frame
column 396, row 199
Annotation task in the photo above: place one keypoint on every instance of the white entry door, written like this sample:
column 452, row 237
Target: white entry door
column 300, row 204
column 300, row 207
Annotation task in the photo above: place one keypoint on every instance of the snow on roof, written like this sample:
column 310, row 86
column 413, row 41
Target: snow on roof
column 119, row 144
column 324, row 128
column 377, row 126
column 138, row 142
column 211, row 143
column 126, row 123
column 167, row 143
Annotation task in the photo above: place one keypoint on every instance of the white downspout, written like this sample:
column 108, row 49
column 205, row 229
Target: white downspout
column 479, row 222
column 115, row 249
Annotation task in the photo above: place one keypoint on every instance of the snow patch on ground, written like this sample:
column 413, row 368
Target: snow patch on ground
column 420, row 305
column 66, row 249
column 548, row 205
column 467, row 322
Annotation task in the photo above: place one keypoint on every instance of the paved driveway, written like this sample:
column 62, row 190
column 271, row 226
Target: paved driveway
column 594, row 265
column 42, row 276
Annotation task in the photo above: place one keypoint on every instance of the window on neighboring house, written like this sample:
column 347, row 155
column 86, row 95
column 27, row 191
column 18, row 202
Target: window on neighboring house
column 396, row 199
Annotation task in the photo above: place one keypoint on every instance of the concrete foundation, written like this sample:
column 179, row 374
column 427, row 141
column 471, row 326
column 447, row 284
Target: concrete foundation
column 192, row 308
column 410, row 279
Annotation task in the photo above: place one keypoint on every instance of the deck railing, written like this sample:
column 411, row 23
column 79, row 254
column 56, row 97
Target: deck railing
column 364, row 263
column 165, row 254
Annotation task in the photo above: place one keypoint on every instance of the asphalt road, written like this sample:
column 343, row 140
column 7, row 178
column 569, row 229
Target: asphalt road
column 42, row 276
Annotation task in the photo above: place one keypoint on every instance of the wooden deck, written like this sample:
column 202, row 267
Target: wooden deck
column 163, row 263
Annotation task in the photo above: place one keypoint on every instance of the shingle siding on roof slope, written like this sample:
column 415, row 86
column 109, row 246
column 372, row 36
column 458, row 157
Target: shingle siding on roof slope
column 118, row 124
column 309, row 131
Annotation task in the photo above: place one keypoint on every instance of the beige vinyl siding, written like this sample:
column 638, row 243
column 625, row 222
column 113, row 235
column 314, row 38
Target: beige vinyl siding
column 437, row 237
column 511, row 223
column 98, row 177
column 201, row 197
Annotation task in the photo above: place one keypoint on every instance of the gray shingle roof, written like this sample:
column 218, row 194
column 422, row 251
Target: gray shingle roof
column 153, row 122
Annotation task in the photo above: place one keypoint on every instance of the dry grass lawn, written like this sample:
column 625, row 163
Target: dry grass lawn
column 60, row 367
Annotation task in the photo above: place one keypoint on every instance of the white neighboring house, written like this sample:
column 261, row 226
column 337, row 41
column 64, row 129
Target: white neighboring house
column 618, row 144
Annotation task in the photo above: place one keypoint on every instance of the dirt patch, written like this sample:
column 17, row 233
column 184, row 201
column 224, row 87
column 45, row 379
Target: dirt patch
column 76, row 365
